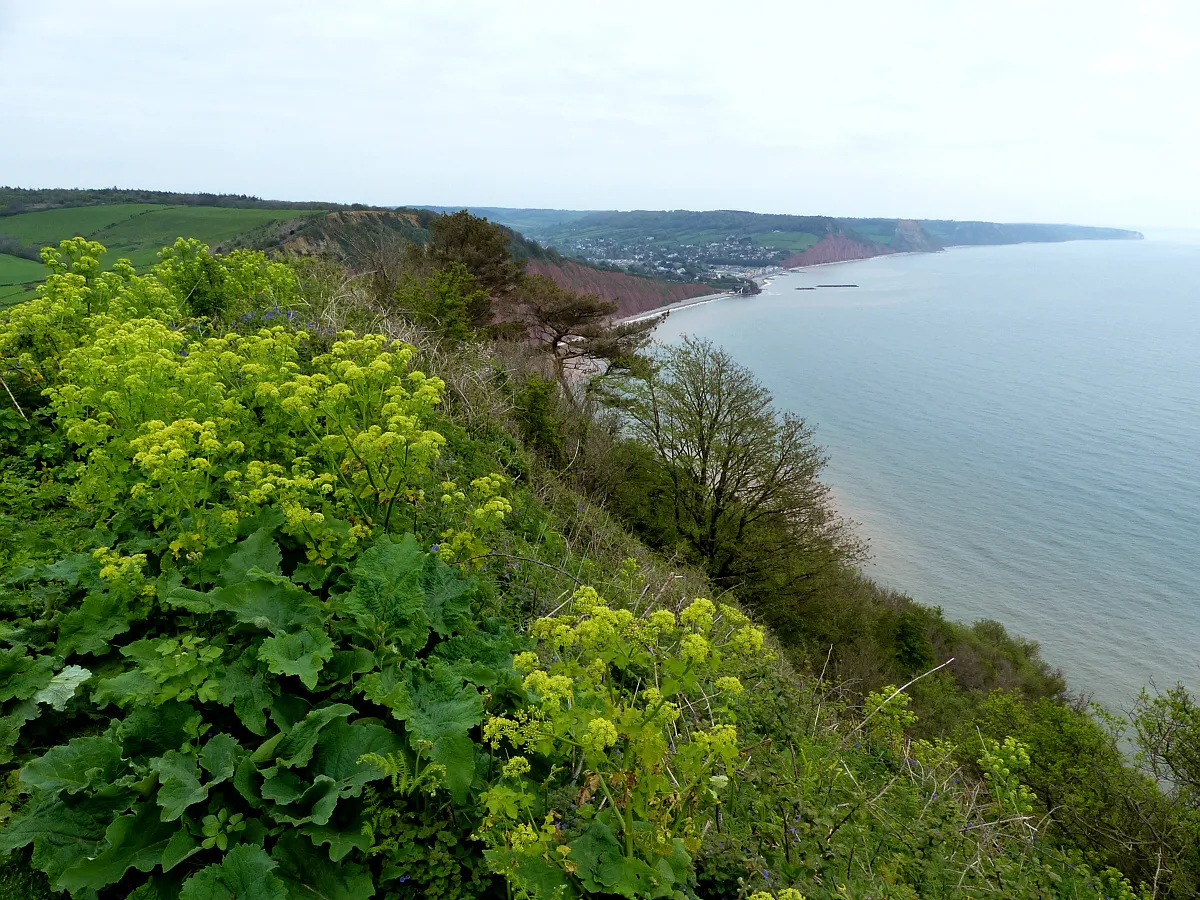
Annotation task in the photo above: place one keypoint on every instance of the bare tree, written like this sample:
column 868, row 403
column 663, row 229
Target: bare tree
column 743, row 476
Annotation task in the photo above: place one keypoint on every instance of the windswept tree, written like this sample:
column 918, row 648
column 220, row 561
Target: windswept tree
column 742, row 478
column 482, row 248
column 441, row 301
column 573, row 327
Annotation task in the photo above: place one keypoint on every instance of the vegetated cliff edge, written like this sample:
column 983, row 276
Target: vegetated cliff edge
column 835, row 248
column 350, row 236
column 633, row 294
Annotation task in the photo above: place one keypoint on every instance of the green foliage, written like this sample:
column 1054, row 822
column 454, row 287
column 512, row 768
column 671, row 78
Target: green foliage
column 229, row 666
column 442, row 301
column 537, row 416
column 607, row 729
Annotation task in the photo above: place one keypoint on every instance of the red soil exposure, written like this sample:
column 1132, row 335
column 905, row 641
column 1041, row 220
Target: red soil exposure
column 633, row 294
column 834, row 248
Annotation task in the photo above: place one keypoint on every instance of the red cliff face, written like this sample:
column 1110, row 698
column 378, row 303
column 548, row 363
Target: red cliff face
column 633, row 294
column 834, row 248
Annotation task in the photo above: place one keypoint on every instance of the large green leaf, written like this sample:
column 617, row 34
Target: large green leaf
column 443, row 704
column 258, row 551
column 309, row 875
column 457, row 753
column 299, row 802
column 244, row 874
column 83, row 762
column 301, row 654
column 149, row 731
column 220, row 757
column 341, row 834
column 296, row 748
column 63, row 833
column 72, row 568
column 387, row 597
column 181, row 846
column 136, row 841
column 268, row 601
column 180, row 787
column 248, row 692
column 90, row 628
column 11, row 725
column 22, row 675
column 602, row 868
column 390, row 687
column 444, row 711
column 342, row 745
column 344, row 665
column 58, row 693
column 447, row 596
column 263, row 599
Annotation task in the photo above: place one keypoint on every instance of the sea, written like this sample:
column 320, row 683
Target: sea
column 1016, row 432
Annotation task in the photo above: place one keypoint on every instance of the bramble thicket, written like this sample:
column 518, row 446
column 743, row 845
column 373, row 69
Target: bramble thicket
column 293, row 607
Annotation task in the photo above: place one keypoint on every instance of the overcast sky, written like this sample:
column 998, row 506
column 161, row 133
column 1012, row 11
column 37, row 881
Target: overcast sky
column 1053, row 110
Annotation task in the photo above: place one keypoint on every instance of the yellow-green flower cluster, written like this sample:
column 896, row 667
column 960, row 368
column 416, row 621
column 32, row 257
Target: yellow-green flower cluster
column 600, row 735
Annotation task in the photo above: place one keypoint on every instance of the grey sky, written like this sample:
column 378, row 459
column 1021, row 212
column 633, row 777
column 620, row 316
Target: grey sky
column 1053, row 110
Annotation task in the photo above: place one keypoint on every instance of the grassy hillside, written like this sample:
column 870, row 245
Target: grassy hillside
column 135, row 231
column 295, row 611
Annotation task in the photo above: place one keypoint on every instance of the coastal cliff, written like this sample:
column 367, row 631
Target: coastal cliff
column 834, row 248
column 633, row 294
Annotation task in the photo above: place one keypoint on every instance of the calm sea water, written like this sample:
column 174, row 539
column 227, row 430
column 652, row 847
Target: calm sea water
column 1017, row 432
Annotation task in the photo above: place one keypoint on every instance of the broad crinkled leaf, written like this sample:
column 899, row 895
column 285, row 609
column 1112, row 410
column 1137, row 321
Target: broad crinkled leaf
column 180, row 787
column 310, row 875
column 249, row 694
column 71, row 568
column 277, row 600
column 447, row 596
column 604, row 869
column 58, row 693
column 150, row 731
column 244, row 874
column 129, row 689
column 341, row 836
column 443, row 705
column 258, row 551
column 181, row 846
column 134, row 841
column 391, row 688
column 296, row 748
column 341, row 746
column 345, row 664
column 90, row 628
column 302, row 654
column 387, row 594
column 300, row 802
column 82, row 763
column 267, row 601
column 11, row 725
column 444, row 711
column 220, row 757
column 457, row 753
column 22, row 675
column 64, row 833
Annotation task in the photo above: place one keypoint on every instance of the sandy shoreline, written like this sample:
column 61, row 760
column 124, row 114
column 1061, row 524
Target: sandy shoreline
column 762, row 281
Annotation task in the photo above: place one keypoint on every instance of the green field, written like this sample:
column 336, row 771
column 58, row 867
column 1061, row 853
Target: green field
column 15, row 273
column 52, row 225
column 134, row 231
column 15, row 270
column 139, row 239
column 786, row 240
